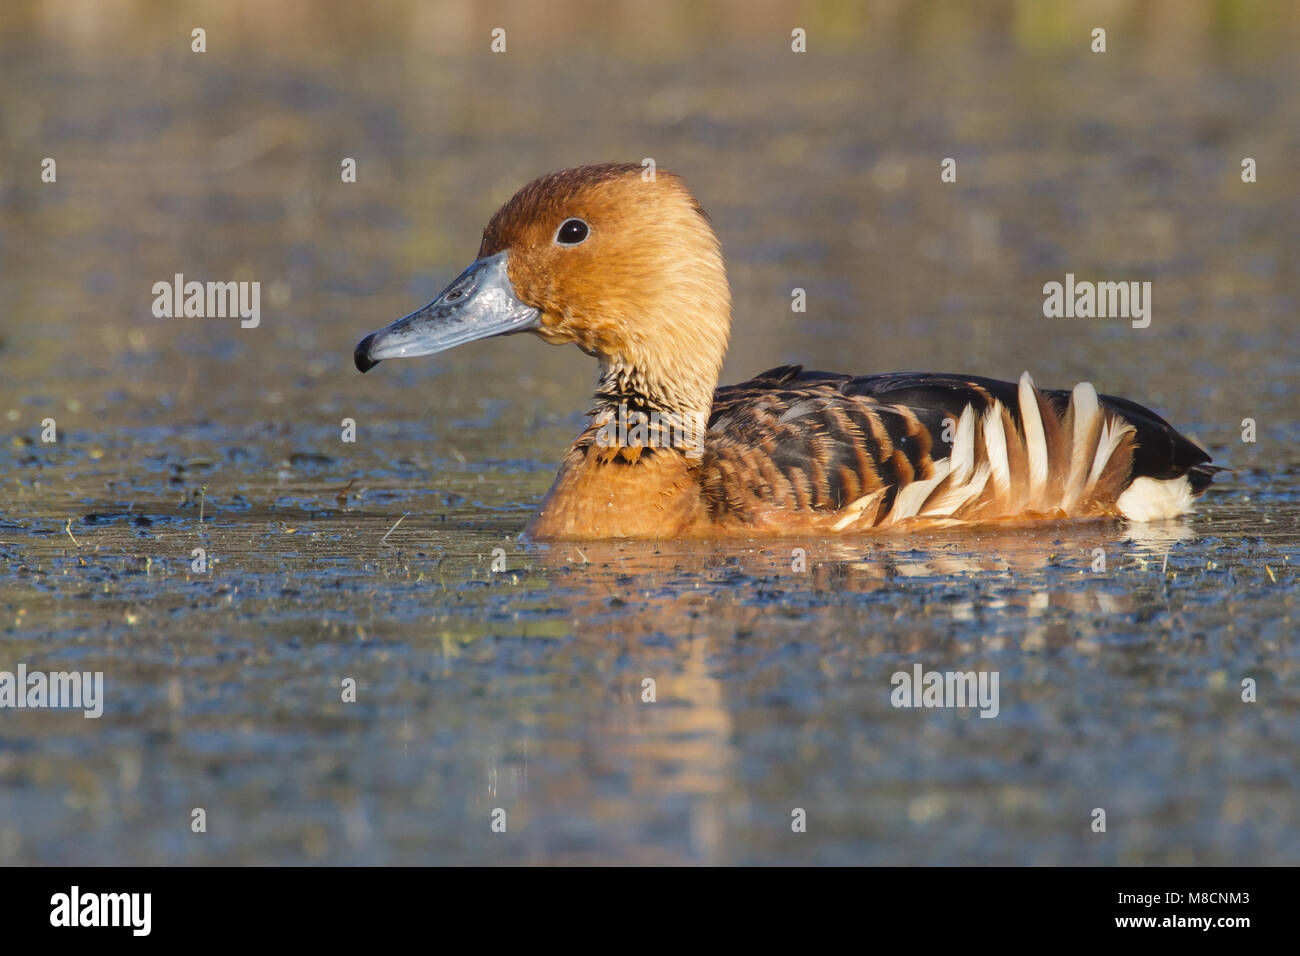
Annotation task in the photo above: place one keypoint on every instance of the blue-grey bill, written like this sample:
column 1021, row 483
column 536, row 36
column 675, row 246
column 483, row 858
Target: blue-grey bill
column 479, row 304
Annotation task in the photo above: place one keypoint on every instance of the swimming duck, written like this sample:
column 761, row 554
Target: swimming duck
column 623, row 263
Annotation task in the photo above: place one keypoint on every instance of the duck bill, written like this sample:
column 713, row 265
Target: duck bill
column 479, row 304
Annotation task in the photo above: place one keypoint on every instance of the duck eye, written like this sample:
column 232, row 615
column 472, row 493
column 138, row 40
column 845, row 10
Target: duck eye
column 571, row 232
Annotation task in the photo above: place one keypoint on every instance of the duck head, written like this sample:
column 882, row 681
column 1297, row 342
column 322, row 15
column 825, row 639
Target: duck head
column 615, row 259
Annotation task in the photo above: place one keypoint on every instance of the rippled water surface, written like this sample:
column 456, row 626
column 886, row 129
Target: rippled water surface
column 521, row 689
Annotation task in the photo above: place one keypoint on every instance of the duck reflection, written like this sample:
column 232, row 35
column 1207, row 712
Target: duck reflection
column 677, row 633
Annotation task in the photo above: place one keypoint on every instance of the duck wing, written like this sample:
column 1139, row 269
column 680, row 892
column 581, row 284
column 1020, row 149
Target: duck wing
column 876, row 450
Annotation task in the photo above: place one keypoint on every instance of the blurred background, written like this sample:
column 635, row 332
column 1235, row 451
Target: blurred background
column 522, row 689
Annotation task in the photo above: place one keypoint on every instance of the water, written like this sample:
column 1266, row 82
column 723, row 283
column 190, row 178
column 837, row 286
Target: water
column 522, row 689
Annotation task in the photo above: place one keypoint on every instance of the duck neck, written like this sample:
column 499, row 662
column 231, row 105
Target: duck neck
column 636, row 412
column 667, row 361
column 663, row 337
column 633, row 385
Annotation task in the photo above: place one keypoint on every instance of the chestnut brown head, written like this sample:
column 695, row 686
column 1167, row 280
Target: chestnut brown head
column 617, row 259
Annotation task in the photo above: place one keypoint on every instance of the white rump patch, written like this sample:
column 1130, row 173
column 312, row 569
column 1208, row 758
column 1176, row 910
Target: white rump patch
column 1150, row 499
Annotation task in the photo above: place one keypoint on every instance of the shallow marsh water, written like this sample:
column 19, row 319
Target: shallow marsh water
column 521, row 689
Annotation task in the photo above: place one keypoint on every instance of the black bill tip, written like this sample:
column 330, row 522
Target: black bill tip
column 362, row 355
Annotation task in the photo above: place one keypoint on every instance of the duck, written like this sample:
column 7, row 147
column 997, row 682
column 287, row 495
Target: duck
column 622, row 261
